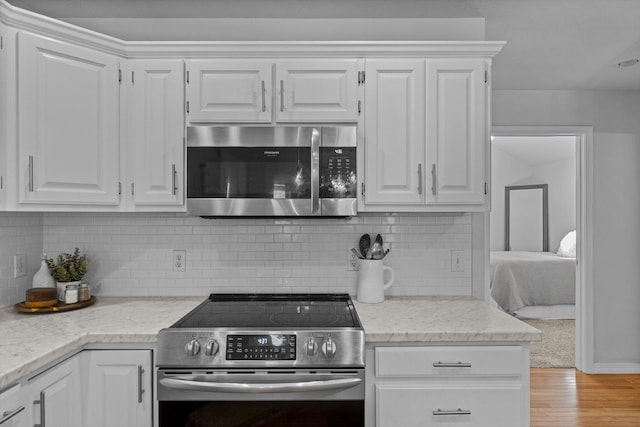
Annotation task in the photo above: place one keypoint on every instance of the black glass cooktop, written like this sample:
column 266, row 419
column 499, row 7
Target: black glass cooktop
column 272, row 311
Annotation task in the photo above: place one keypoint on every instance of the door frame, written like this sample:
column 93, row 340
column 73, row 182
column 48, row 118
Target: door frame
column 584, row 225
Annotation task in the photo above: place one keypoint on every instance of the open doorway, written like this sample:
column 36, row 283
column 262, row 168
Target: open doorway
column 526, row 159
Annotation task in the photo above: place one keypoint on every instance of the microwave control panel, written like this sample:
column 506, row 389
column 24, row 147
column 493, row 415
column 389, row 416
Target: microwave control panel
column 338, row 179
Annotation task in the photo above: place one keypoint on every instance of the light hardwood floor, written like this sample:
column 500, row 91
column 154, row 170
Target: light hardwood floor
column 569, row 398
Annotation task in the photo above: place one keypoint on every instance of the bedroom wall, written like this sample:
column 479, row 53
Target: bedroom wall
column 560, row 175
column 616, row 156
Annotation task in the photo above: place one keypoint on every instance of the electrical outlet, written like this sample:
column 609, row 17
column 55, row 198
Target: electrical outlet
column 19, row 265
column 457, row 261
column 179, row 260
column 352, row 261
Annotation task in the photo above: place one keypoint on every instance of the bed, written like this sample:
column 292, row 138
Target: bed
column 533, row 284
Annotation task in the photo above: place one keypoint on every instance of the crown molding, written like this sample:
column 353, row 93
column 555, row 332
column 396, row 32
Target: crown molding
column 21, row 19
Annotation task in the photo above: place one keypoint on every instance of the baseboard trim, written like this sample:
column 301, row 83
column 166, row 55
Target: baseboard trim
column 616, row 368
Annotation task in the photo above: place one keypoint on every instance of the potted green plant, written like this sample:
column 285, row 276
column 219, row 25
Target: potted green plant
column 67, row 269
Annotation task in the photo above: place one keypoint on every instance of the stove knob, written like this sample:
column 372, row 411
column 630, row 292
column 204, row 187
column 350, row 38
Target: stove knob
column 211, row 348
column 312, row 347
column 329, row 347
column 192, row 348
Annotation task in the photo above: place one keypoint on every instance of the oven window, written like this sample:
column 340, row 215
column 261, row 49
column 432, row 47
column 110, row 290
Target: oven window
column 262, row 413
column 249, row 172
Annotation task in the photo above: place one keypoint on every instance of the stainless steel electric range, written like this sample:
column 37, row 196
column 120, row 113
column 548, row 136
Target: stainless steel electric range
column 263, row 359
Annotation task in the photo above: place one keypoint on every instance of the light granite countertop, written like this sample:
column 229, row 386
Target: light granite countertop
column 30, row 341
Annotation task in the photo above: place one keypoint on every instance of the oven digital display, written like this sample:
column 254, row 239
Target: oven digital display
column 261, row 347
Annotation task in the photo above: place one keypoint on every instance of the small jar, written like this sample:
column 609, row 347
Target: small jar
column 71, row 294
column 84, row 293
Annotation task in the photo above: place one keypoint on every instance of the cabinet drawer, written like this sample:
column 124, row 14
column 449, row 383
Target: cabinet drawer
column 10, row 407
column 420, row 406
column 448, row 361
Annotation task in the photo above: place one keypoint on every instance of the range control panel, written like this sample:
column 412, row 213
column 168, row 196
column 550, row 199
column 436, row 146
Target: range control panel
column 261, row 347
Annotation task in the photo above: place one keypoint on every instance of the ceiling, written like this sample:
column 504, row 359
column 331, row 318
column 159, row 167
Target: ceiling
column 551, row 44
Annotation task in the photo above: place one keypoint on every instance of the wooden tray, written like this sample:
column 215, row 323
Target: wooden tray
column 22, row 308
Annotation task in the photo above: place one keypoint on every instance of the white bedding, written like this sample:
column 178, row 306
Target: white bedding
column 524, row 279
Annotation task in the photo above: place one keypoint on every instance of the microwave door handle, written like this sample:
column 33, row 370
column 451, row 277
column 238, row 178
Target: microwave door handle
column 315, row 171
column 293, row 387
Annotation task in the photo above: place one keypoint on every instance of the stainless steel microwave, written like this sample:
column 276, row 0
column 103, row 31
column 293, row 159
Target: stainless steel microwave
column 271, row 171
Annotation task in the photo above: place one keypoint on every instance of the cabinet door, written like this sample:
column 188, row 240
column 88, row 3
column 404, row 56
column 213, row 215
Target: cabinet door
column 68, row 123
column 54, row 396
column 119, row 388
column 394, row 131
column 317, row 91
column 155, row 130
column 455, row 131
column 229, row 91
column 12, row 412
column 4, row 110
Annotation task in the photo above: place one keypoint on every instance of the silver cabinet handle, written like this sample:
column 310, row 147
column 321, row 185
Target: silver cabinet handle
column 281, row 95
column 451, row 365
column 42, row 411
column 452, row 412
column 7, row 415
column 420, row 178
column 302, row 386
column 174, row 179
column 433, row 179
column 140, row 385
column 30, row 174
column 264, row 105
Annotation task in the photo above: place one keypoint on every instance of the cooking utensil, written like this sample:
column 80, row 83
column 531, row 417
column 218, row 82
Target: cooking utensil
column 356, row 253
column 364, row 245
column 377, row 251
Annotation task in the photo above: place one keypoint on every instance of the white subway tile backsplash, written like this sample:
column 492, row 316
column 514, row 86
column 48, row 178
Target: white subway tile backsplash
column 132, row 253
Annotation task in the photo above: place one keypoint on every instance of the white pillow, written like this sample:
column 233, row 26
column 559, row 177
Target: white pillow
column 568, row 245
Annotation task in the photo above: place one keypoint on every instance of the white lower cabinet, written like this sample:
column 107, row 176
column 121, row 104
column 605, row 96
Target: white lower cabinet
column 119, row 388
column 97, row 388
column 447, row 385
column 12, row 411
column 54, row 398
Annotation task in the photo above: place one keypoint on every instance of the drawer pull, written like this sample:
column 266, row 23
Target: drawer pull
column 7, row 415
column 451, row 365
column 452, row 412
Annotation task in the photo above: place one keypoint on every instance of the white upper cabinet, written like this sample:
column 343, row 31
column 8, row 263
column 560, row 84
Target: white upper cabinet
column 154, row 116
column 317, row 90
column 394, row 131
column 249, row 91
column 229, row 90
column 67, row 123
column 456, row 131
column 425, row 135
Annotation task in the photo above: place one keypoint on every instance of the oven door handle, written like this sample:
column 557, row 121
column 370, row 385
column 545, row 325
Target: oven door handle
column 303, row 386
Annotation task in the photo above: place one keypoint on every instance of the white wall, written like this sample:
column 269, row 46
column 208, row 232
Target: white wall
column 560, row 175
column 614, row 116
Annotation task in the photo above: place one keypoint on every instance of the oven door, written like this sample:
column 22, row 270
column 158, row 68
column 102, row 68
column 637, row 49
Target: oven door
column 252, row 171
column 315, row 398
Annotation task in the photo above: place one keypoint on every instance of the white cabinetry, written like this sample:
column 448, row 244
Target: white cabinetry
column 154, row 117
column 4, row 111
column 54, row 398
column 12, row 412
column 394, row 146
column 248, row 91
column 456, row 131
column 483, row 386
column 119, row 388
column 425, row 135
column 67, row 123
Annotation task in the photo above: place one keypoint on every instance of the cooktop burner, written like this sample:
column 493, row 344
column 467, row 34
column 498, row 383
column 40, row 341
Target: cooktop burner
column 272, row 311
